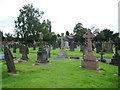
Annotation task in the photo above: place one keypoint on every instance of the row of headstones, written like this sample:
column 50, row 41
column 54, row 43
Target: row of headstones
column 42, row 57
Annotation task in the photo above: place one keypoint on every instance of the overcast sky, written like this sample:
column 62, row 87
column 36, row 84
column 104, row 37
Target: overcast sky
column 64, row 14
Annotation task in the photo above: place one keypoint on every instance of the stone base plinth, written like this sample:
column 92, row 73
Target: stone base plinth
column 62, row 54
column 90, row 64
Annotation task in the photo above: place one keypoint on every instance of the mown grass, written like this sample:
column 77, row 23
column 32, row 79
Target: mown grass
column 61, row 73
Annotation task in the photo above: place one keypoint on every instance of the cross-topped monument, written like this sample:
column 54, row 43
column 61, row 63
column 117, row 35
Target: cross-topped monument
column 89, row 60
column 89, row 36
column 62, row 51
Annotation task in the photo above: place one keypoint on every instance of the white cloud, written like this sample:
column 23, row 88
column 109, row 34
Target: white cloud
column 65, row 14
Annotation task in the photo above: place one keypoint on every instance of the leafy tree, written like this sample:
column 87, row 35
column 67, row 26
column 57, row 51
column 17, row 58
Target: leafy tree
column 9, row 37
column 77, row 27
column 67, row 33
column 27, row 22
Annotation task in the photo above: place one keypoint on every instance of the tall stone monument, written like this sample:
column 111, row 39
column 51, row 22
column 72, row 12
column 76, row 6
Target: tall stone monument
column 62, row 51
column 89, row 60
column 42, row 56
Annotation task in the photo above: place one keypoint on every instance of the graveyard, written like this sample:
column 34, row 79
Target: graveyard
column 36, row 57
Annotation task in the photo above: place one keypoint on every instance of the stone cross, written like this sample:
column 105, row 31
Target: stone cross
column 62, row 41
column 89, row 36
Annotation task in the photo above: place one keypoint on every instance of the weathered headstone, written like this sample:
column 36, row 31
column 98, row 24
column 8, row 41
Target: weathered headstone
column 66, row 44
column 24, row 51
column 62, row 52
column 116, row 58
column 9, row 61
column 72, row 46
column 42, row 58
column 47, row 48
column 89, row 61
column 109, row 48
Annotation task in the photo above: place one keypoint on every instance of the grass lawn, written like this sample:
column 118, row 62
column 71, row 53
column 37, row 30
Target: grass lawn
column 61, row 73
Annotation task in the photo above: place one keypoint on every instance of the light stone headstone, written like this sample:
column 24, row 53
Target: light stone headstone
column 89, row 61
column 66, row 44
column 47, row 48
column 72, row 46
column 62, row 51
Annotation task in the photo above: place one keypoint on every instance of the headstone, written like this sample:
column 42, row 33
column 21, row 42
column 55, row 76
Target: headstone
column 109, row 48
column 89, row 61
column 9, row 61
column 24, row 51
column 72, row 46
column 41, row 58
column 116, row 58
column 67, row 44
column 47, row 48
column 62, row 51
column 14, row 48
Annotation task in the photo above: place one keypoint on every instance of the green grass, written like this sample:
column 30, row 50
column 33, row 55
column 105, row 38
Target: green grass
column 61, row 73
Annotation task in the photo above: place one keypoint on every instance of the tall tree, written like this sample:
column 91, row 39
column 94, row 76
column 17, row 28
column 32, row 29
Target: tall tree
column 27, row 21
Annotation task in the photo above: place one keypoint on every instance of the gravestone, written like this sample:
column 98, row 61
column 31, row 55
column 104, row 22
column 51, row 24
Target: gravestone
column 14, row 48
column 9, row 61
column 116, row 58
column 42, row 58
column 67, row 44
column 47, row 48
column 89, row 61
column 62, row 51
column 85, row 49
column 109, row 48
column 72, row 46
column 24, row 51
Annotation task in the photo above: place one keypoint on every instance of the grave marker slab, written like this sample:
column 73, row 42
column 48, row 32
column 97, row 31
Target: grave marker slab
column 9, row 61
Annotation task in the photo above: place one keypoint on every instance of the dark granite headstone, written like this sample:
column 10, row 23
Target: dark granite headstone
column 72, row 46
column 24, row 51
column 9, row 61
column 42, row 58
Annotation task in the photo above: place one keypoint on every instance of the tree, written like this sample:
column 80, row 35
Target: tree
column 67, row 33
column 9, row 37
column 77, row 27
column 28, row 22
